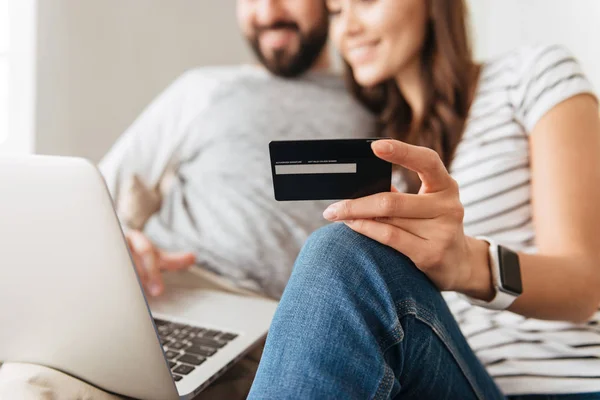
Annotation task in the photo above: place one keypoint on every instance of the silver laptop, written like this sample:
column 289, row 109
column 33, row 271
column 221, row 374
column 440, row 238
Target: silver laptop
column 70, row 298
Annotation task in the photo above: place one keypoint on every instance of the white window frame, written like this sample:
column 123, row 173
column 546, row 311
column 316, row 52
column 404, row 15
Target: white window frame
column 22, row 15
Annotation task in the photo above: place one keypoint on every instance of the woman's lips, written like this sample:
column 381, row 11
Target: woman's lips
column 362, row 53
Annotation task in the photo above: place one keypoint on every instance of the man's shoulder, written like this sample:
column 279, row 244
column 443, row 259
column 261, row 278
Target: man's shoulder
column 198, row 86
column 201, row 76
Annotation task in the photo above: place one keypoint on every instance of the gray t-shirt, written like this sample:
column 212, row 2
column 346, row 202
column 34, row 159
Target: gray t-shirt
column 216, row 124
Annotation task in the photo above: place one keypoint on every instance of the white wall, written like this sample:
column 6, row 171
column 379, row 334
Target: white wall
column 501, row 25
column 100, row 62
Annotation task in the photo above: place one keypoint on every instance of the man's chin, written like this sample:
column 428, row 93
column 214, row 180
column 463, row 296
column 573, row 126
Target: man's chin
column 278, row 68
column 285, row 61
column 277, row 54
column 279, row 62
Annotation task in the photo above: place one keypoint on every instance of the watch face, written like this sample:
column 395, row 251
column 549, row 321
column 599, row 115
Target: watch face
column 510, row 270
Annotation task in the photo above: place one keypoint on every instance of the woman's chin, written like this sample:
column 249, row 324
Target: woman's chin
column 367, row 77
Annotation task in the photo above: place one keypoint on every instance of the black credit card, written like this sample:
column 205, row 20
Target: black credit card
column 327, row 169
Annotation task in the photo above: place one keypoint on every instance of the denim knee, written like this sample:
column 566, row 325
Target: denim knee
column 335, row 237
column 341, row 255
column 337, row 251
column 334, row 248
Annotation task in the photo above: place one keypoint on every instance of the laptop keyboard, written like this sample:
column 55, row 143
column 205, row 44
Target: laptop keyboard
column 186, row 347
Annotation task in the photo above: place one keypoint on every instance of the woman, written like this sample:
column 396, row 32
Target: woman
column 363, row 315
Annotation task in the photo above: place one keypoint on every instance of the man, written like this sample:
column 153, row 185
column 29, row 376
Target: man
column 212, row 127
column 192, row 174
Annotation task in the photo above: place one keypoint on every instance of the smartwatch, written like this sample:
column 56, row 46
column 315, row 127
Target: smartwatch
column 506, row 277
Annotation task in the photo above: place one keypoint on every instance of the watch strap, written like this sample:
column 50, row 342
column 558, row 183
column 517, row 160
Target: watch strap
column 501, row 300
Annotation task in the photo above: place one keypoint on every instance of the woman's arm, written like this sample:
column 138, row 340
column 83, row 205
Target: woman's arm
column 562, row 281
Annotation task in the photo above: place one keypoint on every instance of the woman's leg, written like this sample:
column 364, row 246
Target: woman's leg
column 359, row 321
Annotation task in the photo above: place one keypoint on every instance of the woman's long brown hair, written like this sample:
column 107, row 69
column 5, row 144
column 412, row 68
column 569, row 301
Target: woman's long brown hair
column 449, row 75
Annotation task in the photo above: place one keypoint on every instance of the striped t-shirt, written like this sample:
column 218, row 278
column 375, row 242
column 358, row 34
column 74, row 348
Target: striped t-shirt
column 493, row 171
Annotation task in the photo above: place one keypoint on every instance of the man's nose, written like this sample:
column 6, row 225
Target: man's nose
column 270, row 12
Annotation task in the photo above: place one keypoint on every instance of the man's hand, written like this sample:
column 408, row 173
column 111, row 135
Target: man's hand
column 150, row 261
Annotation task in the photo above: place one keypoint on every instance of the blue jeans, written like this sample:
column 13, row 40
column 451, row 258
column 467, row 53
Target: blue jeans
column 358, row 320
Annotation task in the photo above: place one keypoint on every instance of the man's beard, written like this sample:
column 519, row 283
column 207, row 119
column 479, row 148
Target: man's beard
column 287, row 65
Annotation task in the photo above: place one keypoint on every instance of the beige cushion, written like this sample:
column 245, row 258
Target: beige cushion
column 34, row 382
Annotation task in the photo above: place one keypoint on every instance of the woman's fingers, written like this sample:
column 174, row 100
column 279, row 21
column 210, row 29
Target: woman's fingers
column 389, row 235
column 438, row 194
column 386, row 205
column 422, row 160
column 418, row 227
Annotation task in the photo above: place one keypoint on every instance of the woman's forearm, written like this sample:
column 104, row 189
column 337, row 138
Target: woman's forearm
column 559, row 287
column 554, row 287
